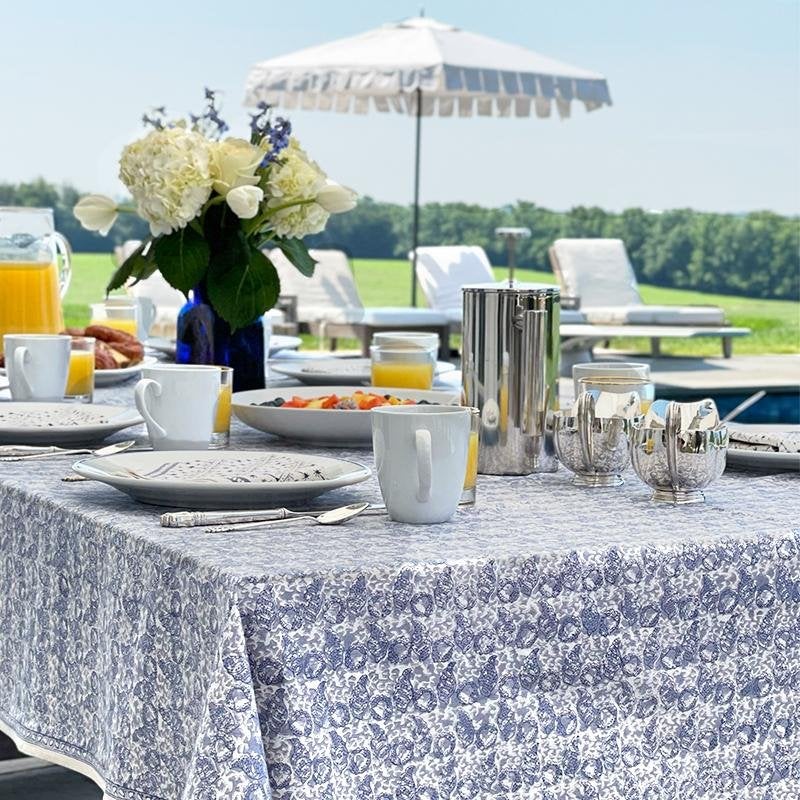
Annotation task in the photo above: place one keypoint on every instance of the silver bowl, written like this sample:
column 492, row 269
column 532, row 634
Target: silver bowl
column 598, row 458
column 678, row 465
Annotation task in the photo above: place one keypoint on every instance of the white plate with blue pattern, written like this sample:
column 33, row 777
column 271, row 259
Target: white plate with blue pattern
column 221, row 479
column 62, row 423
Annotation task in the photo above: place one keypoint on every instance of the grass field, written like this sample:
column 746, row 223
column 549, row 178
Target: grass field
column 775, row 323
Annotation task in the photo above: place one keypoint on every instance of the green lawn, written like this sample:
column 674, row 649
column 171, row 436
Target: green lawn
column 775, row 323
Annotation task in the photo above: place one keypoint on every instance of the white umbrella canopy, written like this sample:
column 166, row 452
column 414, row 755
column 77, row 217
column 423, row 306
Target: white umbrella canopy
column 423, row 67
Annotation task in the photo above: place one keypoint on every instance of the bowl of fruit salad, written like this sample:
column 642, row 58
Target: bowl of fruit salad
column 326, row 415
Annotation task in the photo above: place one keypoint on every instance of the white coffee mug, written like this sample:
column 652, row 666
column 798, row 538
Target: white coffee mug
column 421, row 458
column 37, row 365
column 146, row 317
column 178, row 403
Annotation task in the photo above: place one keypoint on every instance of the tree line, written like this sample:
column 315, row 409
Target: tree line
column 755, row 254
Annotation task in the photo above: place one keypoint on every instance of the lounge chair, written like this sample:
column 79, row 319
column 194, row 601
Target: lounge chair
column 328, row 303
column 599, row 272
column 443, row 271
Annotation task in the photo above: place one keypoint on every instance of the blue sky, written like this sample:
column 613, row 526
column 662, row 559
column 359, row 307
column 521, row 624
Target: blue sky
column 706, row 97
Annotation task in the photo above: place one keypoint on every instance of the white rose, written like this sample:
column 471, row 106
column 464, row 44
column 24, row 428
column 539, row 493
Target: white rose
column 96, row 212
column 233, row 164
column 336, row 199
column 244, row 201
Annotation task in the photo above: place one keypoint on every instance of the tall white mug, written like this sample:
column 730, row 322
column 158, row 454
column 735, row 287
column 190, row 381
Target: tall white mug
column 421, row 458
column 178, row 403
column 37, row 365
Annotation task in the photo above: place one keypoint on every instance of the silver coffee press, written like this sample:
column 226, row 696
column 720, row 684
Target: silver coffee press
column 509, row 363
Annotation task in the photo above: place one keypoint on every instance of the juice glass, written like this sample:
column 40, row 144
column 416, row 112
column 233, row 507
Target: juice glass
column 80, row 378
column 644, row 388
column 471, row 478
column 221, row 433
column 404, row 359
column 118, row 313
column 604, row 374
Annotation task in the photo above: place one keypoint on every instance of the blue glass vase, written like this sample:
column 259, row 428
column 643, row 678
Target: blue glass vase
column 205, row 338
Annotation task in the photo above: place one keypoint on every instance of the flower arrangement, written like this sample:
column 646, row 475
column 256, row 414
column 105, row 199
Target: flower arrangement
column 214, row 203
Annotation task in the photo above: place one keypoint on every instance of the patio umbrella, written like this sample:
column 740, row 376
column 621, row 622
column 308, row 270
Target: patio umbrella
column 423, row 67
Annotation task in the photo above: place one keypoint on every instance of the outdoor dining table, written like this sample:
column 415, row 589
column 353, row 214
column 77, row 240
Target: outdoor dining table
column 548, row 642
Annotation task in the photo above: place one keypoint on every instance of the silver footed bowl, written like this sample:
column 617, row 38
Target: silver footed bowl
column 598, row 459
column 679, row 465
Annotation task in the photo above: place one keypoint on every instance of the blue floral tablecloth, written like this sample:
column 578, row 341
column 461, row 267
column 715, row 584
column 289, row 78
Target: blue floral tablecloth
column 549, row 643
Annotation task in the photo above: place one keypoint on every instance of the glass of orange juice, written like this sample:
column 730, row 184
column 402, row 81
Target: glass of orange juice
column 404, row 359
column 644, row 387
column 118, row 313
column 471, row 478
column 80, row 378
column 221, row 433
column 604, row 375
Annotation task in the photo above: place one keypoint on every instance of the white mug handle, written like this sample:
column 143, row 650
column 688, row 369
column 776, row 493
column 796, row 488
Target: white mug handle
column 140, row 396
column 422, row 440
column 20, row 354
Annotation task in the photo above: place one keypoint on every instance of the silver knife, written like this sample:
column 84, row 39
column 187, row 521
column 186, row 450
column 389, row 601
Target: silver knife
column 192, row 519
column 47, row 452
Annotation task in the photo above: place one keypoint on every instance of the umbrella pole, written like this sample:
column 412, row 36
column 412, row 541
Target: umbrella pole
column 415, row 223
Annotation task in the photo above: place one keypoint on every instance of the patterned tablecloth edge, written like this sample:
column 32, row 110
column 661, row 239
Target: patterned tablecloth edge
column 53, row 756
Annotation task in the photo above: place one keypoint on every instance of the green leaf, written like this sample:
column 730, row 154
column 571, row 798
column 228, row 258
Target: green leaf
column 296, row 251
column 242, row 290
column 136, row 265
column 182, row 258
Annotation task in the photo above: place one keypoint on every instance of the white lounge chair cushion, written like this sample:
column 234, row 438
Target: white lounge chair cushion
column 598, row 271
column 654, row 315
column 442, row 271
column 571, row 316
column 329, row 294
column 338, row 316
column 403, row 317
column 165, row 298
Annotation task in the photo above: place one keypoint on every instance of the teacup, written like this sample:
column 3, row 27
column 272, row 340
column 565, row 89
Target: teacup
column 178, row 403
column 421, row 460
column 37, row 365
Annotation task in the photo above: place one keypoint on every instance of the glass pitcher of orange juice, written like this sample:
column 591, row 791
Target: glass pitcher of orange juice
column 31, row 281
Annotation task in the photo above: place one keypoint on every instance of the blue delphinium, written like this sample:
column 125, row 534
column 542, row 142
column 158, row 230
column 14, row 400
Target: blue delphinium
column 277, row 133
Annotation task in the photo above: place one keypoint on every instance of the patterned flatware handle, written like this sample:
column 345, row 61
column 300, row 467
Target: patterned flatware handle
column 191, row 519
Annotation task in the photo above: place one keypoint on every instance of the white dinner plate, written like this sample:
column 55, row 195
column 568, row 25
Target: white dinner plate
column 62, row 423
column 222, row 479
column 763, row 460
column 277, row 342
column 111, row 377
column 342, row 371
column 321, row 427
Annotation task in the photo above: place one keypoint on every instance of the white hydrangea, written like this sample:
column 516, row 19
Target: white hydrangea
column 168, row 174
column 294, row 183
column 299, row 221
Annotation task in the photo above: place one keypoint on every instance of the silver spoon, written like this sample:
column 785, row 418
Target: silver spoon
column 333, row 517
column 108, row 450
